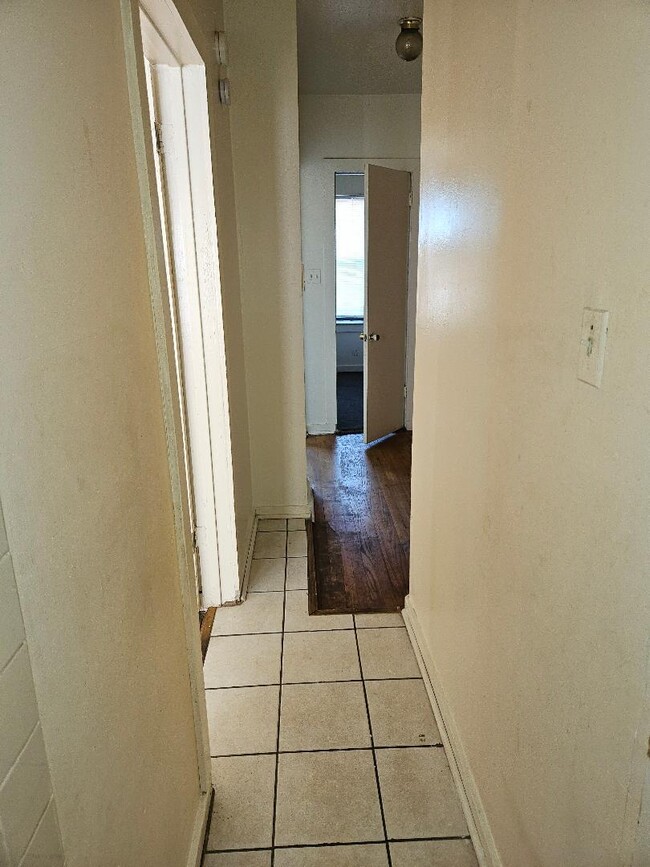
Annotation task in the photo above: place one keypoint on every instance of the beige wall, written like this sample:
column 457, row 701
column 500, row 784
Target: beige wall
column 83, row 466
column 264, row 125
column 339, row 133
column 530, row 488
column 29, row 827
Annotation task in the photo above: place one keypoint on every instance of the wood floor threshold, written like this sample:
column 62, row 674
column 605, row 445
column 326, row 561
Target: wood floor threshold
column 206, row 619
column 358, row 543
column 313, row 605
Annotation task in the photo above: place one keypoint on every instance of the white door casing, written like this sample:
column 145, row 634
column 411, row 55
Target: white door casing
column 181, row 98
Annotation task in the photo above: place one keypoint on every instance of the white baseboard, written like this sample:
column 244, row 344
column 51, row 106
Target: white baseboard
column 315, row 430
column 195, row 854
column 243, row 590
column 475, row 816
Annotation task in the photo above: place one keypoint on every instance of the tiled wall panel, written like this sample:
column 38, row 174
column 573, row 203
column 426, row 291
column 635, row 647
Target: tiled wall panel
column 29, row 831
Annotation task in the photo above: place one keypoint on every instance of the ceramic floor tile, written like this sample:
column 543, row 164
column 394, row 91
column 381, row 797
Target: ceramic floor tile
column 320, row 656
column 370, row 621
column 387, row 653
column 266, row 525
column 242, row 815
column 243, row 660
column 227, row 708
column 297, row 543
column 320, row 716
column 327, row 798
column 271, row 544
column 433, row 853
column 266, row 575
column 297, row 573
column 371, row 855
column 298, row 619
column 419, row 794
column 400, row 713
column 261, row 612
column 239, row 859
column 296, row 523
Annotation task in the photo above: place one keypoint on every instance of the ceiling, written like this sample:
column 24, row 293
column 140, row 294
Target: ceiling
column 348, row 46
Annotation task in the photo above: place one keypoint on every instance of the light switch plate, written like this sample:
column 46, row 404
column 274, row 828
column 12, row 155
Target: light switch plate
column 591, row 360
column 313, row 275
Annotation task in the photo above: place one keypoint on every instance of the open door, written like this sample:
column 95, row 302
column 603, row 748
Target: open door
column 387, row 195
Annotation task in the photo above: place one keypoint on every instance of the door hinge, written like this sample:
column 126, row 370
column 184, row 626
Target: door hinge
column 195, row 541
column 159, row 136
column 410, row 198
column 406, row 391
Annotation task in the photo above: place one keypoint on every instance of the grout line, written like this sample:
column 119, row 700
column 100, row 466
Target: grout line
column 312, row 682
column 342, row 843
column 12, row 657
column 364, row 628
column 266, row 591
column 329, row 750
column 372, row 743
column 277, row 738
column 288, row 632
column 244, row 634
column 50, row 800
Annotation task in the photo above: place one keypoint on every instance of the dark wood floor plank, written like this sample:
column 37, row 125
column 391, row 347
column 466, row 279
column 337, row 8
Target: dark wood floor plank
column 361, row 529
column 206, row 619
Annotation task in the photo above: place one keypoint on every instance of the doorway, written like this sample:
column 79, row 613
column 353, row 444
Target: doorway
column 372, row 228
column 359, row 110
column 350, row 251
column 177, row 119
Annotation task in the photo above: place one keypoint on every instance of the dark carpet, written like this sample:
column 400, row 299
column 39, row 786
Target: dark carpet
column 349, row 402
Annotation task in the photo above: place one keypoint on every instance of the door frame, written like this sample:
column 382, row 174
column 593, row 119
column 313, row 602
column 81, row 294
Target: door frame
column 180, row 30
column 182, row 99
column 329, row 168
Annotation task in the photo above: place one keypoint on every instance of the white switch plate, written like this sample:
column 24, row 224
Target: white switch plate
column 313, row 275
column 592, row 346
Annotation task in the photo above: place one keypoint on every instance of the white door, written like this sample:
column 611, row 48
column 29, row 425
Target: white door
column 387, row 196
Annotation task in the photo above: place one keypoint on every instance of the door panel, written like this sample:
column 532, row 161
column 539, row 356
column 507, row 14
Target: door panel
column 387, row 236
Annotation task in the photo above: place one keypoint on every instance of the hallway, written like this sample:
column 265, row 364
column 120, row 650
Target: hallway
column 321, row 733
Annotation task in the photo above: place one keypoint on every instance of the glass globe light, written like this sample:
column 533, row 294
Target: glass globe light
column 408, row 44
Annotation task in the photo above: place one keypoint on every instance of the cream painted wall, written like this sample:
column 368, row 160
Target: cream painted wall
column 530, row 543
column 83, row 465
column 340, row 133
column 264, row 127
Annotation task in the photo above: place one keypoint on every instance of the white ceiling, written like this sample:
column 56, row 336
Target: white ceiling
column 348, row 46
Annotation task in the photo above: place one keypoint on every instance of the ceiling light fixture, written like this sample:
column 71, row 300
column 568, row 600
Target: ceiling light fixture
column 408, row 44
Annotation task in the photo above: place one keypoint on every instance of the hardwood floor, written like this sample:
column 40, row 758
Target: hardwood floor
column 362, row 504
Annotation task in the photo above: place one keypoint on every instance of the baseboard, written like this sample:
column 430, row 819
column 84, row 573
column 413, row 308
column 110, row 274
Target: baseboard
column 349, row 368
column 243, row 590
column 301, row 511
column 314, row 430
column 195, row 855
column 475, row 816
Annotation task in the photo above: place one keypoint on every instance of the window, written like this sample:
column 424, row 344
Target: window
column 350, row 256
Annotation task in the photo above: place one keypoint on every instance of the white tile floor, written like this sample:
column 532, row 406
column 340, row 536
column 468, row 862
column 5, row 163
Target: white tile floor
column 325, row 750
